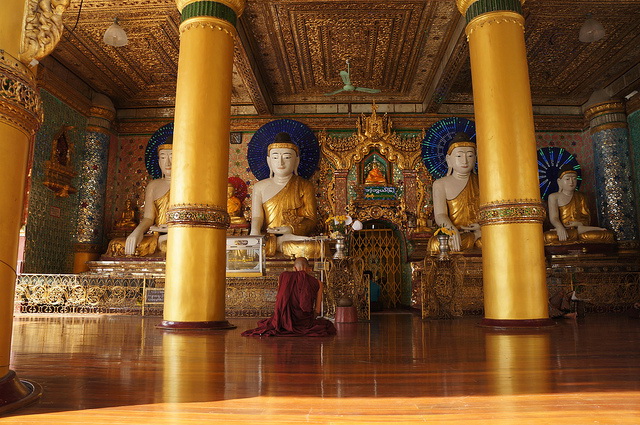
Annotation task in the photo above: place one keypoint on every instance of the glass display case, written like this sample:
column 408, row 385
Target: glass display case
column 245, row 256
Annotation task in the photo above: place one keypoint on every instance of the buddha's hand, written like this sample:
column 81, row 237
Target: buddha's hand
column 475, row 228
column 454, row 240
column 132, row 242
column 281, row 230
column 163, row 228
column 562, row 233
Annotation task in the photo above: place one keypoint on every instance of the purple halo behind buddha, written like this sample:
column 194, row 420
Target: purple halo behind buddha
column 550, row 160
column 437, row 139
column 301, row 136
column 151, row 152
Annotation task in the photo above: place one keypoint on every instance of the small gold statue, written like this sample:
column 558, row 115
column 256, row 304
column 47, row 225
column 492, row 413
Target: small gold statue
column 156, row 205
column 234, row 206
column 127, row 221
column 375, row 176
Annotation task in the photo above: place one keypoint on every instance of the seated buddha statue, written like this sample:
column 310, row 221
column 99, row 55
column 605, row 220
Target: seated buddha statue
column 569, row 215
column 284, row 204
column 375, row 176
column 456, row 197
column 234, row 206
column 156, row 205
column 127, row 220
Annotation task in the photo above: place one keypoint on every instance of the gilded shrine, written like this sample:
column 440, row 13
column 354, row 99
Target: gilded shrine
column 376, row 176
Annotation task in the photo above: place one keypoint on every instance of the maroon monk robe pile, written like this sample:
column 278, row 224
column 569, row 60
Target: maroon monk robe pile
column 294, row 314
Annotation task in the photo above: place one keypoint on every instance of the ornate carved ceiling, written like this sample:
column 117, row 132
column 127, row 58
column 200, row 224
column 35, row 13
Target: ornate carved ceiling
column 291, row 51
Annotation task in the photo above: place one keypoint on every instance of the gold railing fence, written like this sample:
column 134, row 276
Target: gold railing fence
column 69, row 293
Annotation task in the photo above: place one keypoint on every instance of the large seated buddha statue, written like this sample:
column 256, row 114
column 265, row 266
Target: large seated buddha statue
column 156, row 204
column 570, row 217
column 284, row 204
column 456, row 197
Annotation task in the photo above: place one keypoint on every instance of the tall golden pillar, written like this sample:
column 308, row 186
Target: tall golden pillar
column 197, row 217
column 20, row 118
column 511, row 212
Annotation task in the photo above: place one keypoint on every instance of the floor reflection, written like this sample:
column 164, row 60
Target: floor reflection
column 101, row 361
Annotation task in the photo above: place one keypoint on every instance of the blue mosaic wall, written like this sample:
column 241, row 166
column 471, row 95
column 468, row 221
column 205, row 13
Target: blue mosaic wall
column 634, row 139
column 615, row 194
column 93, row 185
column 51, row 221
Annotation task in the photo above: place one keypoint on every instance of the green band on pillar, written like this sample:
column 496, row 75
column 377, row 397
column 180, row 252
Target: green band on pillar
column 485, row 6
column 209, row 8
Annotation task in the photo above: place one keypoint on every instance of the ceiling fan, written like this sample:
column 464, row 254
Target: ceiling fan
column 346, row 79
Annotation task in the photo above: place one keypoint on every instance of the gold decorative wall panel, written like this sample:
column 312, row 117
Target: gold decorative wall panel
column 290, row 53
column 345, row 279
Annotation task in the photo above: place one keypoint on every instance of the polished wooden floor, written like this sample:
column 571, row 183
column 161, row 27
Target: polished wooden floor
column 394, row 370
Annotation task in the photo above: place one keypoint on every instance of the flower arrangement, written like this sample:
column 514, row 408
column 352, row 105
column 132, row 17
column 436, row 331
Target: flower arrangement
column 444, row 230
column 340, row 225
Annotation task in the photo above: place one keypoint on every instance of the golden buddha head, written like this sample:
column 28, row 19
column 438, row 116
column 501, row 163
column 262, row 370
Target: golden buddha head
column 461, row 154
column 283, row 156
column 230, row 190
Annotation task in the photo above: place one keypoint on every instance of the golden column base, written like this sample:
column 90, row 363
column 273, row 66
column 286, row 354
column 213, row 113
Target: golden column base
column 16, row 393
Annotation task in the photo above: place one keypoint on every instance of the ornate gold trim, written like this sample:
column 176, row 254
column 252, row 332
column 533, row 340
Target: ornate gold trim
column 99, row 129
column 20, row 103
column 210, row 23
column 511, row 211
column 198, row 215
column 236, row 5
column 500, row 17
column 607, row 126
column 372, row 132
column 102, row 112
column 463, row 5
column 608, row 107
column 43, row 28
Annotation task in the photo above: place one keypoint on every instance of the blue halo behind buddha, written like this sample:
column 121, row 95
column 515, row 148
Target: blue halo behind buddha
column 301, row 136
column 436, row 142
column 550, row 160
column 151, row 152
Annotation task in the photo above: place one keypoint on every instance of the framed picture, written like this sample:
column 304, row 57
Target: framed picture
column 236, row 138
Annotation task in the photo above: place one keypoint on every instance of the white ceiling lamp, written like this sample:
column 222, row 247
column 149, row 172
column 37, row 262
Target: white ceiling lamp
column 591, row 30
column 115, row 35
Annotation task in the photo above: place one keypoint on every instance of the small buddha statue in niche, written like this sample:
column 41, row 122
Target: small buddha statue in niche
column 127, row 220
column 284, row 204
column 423, row 224
column 570, row 216
column 375, row 175
column 234, row 206
column 456, row 199
column 156, row 205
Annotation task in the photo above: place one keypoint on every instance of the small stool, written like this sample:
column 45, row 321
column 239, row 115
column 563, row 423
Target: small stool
column 346, row 314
